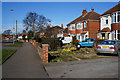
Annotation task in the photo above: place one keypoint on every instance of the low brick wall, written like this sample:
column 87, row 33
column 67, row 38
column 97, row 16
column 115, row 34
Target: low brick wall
column 42, row 52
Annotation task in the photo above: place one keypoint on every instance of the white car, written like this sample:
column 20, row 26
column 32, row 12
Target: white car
column 65, row 40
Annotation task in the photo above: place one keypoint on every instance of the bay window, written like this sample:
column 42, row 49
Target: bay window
column 85, row 24
column 116, row 17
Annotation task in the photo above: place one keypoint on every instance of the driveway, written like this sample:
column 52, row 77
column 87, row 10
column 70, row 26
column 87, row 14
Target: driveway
column 25, row 63
column 91, row 68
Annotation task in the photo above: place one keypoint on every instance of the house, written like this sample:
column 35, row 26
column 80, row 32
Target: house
column 62, row 33
column 52, row 31
column 85, row 26
column 110, row 24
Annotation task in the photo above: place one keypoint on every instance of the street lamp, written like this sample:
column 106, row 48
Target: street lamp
column 13, row 24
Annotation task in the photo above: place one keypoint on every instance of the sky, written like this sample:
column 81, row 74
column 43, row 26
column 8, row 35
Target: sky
column 58, row 12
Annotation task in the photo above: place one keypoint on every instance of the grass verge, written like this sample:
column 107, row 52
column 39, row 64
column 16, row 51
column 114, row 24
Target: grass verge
column 16, row 44
column 5, row 54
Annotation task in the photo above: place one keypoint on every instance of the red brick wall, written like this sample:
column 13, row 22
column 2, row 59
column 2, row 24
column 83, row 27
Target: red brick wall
column 92, row 28
column 115, row 27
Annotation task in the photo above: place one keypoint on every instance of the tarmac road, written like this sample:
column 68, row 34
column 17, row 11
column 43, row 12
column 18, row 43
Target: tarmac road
column 90, row 68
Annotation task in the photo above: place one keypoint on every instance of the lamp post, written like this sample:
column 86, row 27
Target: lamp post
column 13, row 24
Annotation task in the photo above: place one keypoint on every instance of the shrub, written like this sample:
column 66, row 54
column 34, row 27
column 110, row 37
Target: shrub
column 75, row 41
column 98, row 41
column 52, row 42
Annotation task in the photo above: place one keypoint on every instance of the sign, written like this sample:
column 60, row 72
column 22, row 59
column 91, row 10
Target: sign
column 13, row 30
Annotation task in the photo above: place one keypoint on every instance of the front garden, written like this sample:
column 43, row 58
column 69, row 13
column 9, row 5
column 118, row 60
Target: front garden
column 70, row 53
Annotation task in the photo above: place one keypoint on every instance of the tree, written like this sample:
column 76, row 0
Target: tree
column 30, row 35
column 23, row 37
column 35, row 22
column 24, row 31
column 48, row 31
column 7, row 32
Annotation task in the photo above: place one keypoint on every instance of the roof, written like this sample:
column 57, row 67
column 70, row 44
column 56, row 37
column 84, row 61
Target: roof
column 113, row 9
column 89, row 16
column 56, row 27
column 105, row 30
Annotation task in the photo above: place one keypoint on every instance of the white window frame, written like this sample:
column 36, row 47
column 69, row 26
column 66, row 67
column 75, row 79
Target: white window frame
column 85, row 22
column 79, row 26
column 71, row 27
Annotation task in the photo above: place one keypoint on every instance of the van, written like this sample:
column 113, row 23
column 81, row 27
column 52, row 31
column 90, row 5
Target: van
column 65, row 40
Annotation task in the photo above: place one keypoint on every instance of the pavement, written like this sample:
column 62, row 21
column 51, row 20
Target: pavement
column 25, row 63
column 89, row 68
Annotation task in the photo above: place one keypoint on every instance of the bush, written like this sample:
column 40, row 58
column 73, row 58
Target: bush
column 75, row 41
column 52, row 42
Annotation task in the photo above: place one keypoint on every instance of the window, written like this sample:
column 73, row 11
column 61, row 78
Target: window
column 118, row 34
column 72, row 27
column 118, row 16
column 112, row 18
column 78, row 36
column 115, row 34
column 106, row 21
column 115, row 18
column 85, row 24
column 79, row 26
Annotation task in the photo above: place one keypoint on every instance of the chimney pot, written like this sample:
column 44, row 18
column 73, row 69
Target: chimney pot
column 61, row 25
column 84, row 12
column 92, row 9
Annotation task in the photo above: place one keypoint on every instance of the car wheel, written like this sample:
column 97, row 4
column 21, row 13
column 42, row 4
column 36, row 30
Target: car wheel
column 78, row 47
column 118, row 54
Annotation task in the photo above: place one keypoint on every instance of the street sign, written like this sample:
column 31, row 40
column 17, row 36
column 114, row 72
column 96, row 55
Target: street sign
column 13, row 30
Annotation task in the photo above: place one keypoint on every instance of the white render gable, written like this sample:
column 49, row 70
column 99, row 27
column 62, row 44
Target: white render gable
column 104, row 23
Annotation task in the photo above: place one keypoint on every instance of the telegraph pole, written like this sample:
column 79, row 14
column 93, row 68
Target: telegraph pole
column 16, row 29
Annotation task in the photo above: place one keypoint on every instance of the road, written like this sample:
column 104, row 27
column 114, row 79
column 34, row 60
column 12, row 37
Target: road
column 91, row 68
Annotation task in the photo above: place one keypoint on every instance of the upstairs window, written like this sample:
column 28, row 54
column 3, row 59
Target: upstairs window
column 72, row 27
column 118, row 16
column 106, row 21
column 79, row 26
column 85, row 24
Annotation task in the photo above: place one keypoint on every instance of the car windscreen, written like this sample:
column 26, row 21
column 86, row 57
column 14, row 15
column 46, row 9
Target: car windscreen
column 108, row 42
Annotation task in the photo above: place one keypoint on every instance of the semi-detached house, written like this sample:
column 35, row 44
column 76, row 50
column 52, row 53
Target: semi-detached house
column 110, row 24
column 85, row 26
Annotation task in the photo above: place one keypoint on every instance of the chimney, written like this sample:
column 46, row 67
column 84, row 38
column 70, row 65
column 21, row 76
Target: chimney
column 84, row 12
column 92, row 10
column 61, row 25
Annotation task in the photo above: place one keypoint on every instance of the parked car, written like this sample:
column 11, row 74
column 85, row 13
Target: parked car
column 109, row 46
column 65, row 40
column 89, row 42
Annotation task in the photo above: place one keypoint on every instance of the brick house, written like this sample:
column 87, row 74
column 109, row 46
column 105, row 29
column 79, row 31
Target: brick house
column 110, row 24
column 85, row 26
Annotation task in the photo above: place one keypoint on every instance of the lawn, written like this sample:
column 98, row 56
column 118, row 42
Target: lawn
column 5, row 54
column 16, row 44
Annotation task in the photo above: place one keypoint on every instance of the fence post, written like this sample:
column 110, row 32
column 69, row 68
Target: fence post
column 45, row 53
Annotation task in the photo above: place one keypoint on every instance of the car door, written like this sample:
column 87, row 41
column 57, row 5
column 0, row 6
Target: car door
column 85, row 42
column 91, row 42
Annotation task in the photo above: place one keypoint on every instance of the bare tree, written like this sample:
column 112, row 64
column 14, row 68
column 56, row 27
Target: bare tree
column 35, row 22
